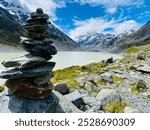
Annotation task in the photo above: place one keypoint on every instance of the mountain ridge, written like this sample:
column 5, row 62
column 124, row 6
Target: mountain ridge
column 18, row 16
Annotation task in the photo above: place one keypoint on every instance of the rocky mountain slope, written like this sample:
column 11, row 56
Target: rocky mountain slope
column 12, row 16
column 10, row 30
column 115, row 43
column 100, row 41
column 138, row 38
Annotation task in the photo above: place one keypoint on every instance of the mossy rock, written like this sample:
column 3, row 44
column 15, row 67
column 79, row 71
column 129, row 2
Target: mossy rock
column 141, row 57
column 115, row 106
column 132, row 50
column 1, row 88
column 117, row 79
column 99, row 82
column 136, row 90
column 95, row 68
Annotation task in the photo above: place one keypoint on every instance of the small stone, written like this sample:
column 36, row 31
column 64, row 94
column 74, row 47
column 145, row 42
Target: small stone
column 25, row 62
column 25, row 87
column 15, row 73
column 128, row 109
column 39, row 13
column 62, row 88
column 141, row 84
column 110, row 60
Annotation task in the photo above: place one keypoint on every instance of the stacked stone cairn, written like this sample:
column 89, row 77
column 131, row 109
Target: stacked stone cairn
column 29, row 75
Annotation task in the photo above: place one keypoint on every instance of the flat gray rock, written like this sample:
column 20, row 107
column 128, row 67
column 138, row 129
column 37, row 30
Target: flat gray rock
column 64, row 105
column 25, row 62
column 14, row 104
column 38, row 48
column 145, row 69
column 15, row 73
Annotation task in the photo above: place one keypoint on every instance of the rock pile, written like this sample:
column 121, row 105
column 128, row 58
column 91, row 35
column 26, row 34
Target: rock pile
column 29, row 75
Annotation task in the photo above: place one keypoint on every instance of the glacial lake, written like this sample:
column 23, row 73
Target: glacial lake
column 67, row 59
column 64, row 59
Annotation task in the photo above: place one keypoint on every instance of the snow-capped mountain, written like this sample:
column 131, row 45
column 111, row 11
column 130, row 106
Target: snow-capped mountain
column 15, row 9
column 12, row 9
column 100, row 41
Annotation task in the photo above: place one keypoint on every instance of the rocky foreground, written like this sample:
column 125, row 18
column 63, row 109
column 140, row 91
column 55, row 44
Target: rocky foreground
column 109, row 86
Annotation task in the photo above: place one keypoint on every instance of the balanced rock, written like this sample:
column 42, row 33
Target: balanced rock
column 25, row 62
column 37, row 48
column 39, row 13
column 26, row 87
column 23, row 73
column 39, row 20
column 36, row 28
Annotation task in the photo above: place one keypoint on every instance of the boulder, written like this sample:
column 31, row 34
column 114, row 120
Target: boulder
column 104, row 93
column 25, row 87
column 25, row 62
column 110, row 100
column 76, row 98
column 54, row 103
column 107, row 77
column 145, row 69
column 15, row 73
column 64, row 105
column 62, row 88
column 14, row 104
column 73, row 96
column 128, row 109
column 110, row 60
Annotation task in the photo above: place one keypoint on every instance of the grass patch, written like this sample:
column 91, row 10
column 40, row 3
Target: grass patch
column 115, row 106
column 95, row 68
column 132, row 50
column 67, row 75
column 100, row 82
column 1, row 88
column 136, row 90
column 117, row 79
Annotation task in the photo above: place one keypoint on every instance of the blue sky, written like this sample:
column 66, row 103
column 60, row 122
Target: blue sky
column 78, row 17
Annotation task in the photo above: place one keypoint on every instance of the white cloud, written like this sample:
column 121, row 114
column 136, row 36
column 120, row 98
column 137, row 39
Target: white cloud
column 49, row 6
column 90, row 26
column 126, row 25
column 110, row 5
column 100, row 25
